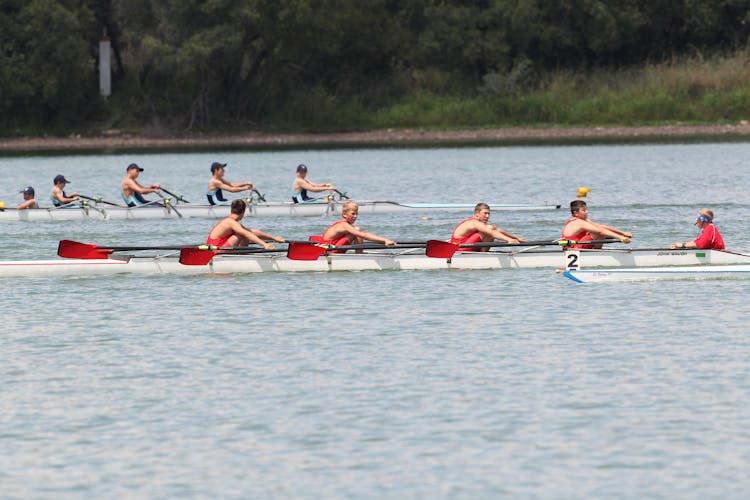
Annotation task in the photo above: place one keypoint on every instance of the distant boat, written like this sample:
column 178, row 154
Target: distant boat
column 102, row 211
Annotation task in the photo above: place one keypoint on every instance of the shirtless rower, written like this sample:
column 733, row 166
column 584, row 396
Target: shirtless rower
column 132, row 191
column 580, row 228
column 228, row 232
column 344, row 232
column 28, row 199
column 301, row 186
column 476, row 230
column 59, row 198
column 218, row 184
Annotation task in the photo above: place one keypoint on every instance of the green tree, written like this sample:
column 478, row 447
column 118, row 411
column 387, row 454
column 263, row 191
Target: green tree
column 47, row 72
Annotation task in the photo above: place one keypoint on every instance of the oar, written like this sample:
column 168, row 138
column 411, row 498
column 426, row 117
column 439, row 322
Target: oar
column 168, row 204
column 98, row 199
column 177, row 197
column 260, row 195
column 310, row 250
column 85, row 205
column 342, row 195
column 200, row 256
column 445, row 250
column 75, row 250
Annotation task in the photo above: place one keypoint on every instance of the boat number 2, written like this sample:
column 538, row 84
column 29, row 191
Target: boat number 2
column 571, row 260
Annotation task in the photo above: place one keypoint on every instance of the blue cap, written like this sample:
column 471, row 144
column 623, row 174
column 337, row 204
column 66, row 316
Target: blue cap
column 60, row 178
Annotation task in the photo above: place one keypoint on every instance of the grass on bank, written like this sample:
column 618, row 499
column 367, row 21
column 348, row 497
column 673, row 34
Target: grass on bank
column 693, row 91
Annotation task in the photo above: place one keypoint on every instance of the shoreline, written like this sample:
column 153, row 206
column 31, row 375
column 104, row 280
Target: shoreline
column 115, row 141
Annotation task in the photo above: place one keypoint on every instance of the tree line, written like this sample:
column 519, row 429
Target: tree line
column 211, row 64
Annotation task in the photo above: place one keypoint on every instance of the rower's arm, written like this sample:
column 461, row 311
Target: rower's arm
column 508, row 236
column 495, row 233
column 233, row 187
column 244, row 185
column 621, row 233
column 58, row 195
column 607, row 231
column 268, row 237
column 27, row 204
column 134, row 186
column 371, row 236
column 315, row 188
column 250, row 235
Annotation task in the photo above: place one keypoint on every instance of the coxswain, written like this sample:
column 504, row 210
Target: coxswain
column 710, row 237
column 301, row 186
column 229, row 232
column 476, row 230
column 132, row 191
column 58, row 196
column 217, row 185
column 581, row 228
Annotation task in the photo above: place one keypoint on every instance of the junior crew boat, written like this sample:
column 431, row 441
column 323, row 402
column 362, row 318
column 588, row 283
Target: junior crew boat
column 171, row 209
column 379, row 260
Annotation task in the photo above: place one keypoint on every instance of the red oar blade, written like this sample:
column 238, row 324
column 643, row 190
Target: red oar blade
column 304, row 251
column 196, row 256
column 441, row 249
column 75, row 250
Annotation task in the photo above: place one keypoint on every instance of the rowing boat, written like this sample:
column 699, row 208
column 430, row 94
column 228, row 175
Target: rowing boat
column 100, row 211
column 741, row 271
column 412, row 259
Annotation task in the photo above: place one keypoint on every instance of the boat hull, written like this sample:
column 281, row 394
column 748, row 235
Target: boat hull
column 95, row 211
column 741, row 271
column 411, row 260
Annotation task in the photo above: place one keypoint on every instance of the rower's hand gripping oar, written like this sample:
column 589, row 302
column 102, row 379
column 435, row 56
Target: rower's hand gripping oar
column 444, row 250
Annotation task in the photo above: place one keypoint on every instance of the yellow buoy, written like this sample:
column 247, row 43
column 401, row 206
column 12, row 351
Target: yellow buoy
column 2, row 205
column 582, row 192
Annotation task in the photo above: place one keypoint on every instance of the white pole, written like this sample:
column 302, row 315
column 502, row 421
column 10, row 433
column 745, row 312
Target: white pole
column 105, row 72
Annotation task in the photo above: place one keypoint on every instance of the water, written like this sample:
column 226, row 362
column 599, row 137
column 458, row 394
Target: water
column 394, row 384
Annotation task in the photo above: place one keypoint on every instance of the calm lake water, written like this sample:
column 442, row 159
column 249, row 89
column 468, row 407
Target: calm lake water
column 445, row 384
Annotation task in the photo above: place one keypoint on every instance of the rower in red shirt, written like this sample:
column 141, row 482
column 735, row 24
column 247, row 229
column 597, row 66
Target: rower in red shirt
column 344, row 232
column 228, row 232
column 710, row 237
column 580, row 228
column 477, row 230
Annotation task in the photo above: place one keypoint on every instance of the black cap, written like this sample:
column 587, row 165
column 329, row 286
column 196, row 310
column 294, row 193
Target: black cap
column 132, row 166
column 28, row 190
column 216, row 166
column 60, row 178
column 301, row 168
